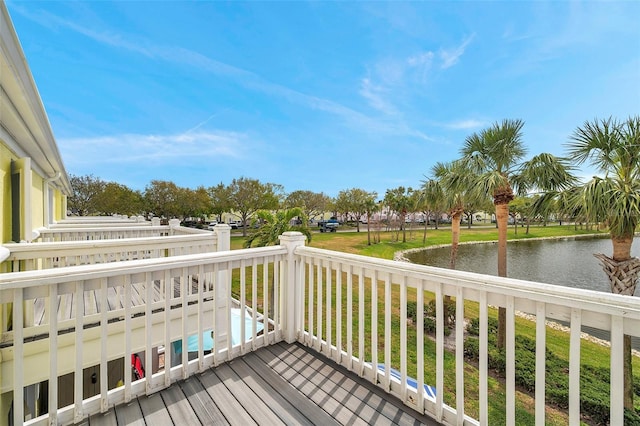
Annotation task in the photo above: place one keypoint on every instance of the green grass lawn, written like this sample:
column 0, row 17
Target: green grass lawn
column 593, row 355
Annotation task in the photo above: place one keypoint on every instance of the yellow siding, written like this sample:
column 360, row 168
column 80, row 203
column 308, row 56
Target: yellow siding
column 37, row 201
column 5, row 193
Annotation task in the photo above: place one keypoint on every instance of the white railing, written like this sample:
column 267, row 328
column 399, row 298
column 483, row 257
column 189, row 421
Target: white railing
column 135, row 307
column 97, row 232
column 350, row 302
column 29, row 257
column 351, row 308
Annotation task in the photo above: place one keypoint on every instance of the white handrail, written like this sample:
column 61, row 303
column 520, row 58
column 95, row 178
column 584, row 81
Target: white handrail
column 361, row 276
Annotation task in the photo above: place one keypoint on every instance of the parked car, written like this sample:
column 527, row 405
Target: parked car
column 330, row 225
column 211, row 225
column 234, row 224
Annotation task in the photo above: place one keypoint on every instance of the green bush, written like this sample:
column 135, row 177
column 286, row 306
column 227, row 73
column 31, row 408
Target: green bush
column 594, row 383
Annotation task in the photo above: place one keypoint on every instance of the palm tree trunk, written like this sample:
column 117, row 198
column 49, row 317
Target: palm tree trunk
column 455, row 239
column 623, row 271
column 502, row 220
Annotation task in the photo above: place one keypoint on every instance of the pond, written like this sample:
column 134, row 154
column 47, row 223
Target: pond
column 567, row 261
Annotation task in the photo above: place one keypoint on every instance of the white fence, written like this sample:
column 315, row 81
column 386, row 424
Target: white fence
column 133, row 307
column 349, row 303
column 342, row 305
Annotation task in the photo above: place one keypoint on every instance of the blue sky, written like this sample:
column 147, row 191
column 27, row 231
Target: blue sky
column 319, row 96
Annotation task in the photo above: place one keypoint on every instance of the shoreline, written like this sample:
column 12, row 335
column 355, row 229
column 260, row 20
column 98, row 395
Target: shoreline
column 400, row 256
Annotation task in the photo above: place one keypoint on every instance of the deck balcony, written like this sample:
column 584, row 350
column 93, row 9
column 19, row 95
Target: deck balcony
column 181, row 308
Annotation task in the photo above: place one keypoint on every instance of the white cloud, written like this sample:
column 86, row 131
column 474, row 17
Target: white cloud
column 465, row 124
column 134, row 148
column 450, row 57
column 374, row 94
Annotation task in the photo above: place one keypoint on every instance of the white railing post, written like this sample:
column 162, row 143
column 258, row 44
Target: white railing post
column 173, row 224
column 222, row 290
column 290, row 313
column 155, row 221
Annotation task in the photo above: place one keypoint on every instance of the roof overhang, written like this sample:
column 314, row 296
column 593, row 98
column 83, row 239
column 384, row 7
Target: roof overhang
column 24, row 126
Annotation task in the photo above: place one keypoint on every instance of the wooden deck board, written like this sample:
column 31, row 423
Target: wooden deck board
column 154, row 410
column 344, row 381
column 104, row 419
column 228, row 404
column 203, row 406
column 312, row 412
column 279, row 384
column 129, row 414
column 179, row 407
column 256, row 408
column 281, row 407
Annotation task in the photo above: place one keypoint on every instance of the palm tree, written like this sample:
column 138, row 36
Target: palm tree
column 495, row 156
column 613, row 148
column 457, row 190
column 272, row 225
column 431, row 201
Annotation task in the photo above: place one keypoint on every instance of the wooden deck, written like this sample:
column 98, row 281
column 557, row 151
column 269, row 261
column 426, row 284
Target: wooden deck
column 280, row 384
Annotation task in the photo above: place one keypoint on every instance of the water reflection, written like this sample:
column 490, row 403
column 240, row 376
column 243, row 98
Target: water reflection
column 566, row 262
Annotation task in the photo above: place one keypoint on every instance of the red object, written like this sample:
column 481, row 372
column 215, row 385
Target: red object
column 136, row 365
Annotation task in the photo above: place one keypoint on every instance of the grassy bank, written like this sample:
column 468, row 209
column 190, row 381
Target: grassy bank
column 594, row 356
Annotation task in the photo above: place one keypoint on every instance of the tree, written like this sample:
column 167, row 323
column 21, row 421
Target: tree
column 220, row 203
column 495, row 156
column 432, row 203
column 246, row 196
column 399, row 200
column 312, row 203
column 354, row 203
column 458, row 189
column 162, row 198
column 272, row 225
column 118, row 199
column 85, row 189
column 613, row 148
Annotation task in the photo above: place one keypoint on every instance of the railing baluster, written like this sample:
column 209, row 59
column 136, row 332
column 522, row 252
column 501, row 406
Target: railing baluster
column 361, row 308
column 338, row 357
column 265, row 292
column 374, row 327
column 53, row 353
column 18, row 351
column 254, row 296
column 311, row 312
column 387, row 332
column 104, row 328
column 78, row 388
column 277, row 298
column 319, row 309
column 510, row 346
column 403, row 339
column 574, row 367
column 483, row 360
column 541, row 339
column 617, row 370
column 420, row 347
column 243, row 303
column 201, row 317
column 328, row 305
column 349, row 316
column 127, row 337
column 168, row 359
column 459, row 355
column 184, row 285
column 439, row 352
column 148, row 328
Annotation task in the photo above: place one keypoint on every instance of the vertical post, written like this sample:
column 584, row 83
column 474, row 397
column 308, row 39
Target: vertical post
column 173, row 224
column 290, row 314
column 222, row 290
